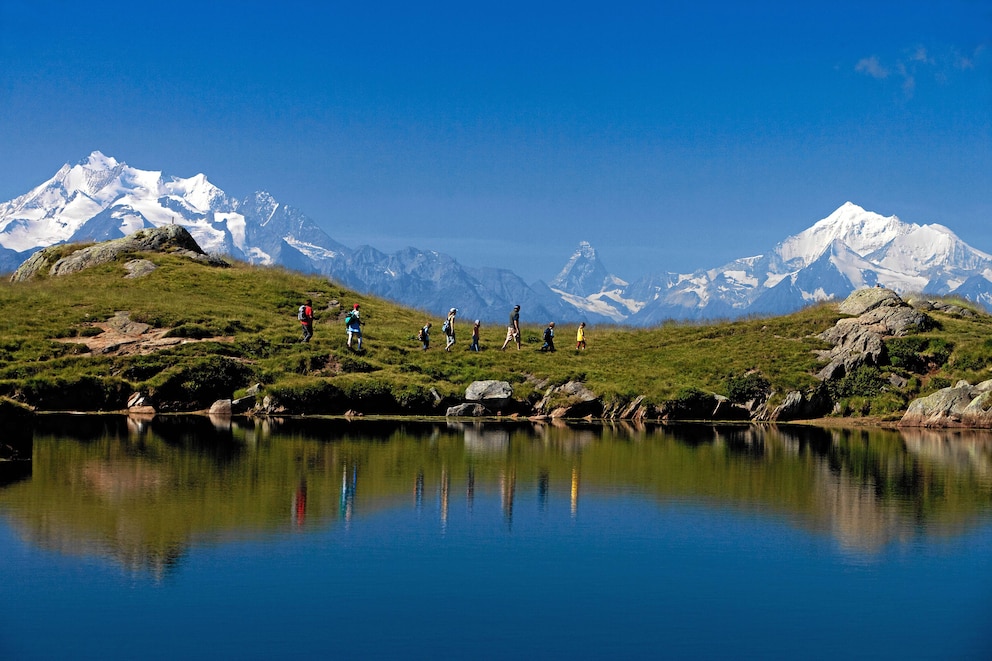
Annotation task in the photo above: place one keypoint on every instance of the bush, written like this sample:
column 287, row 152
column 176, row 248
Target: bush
column 199, row 382
column 745, row 387
column 918, row 354
column 690, row 403
column 865, row 381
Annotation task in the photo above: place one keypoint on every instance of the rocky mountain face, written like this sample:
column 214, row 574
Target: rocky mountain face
column 100, row 199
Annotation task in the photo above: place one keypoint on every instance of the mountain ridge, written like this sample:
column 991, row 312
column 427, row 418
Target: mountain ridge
column 101, row 198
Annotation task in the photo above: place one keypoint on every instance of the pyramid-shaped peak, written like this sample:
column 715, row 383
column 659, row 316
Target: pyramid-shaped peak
column 97, row 160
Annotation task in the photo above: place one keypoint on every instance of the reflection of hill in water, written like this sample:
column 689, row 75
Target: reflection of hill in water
column 142, row 493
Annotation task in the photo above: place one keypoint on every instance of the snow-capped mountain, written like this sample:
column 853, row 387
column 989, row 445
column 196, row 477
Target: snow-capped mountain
column 848, row 249
column 100, row 198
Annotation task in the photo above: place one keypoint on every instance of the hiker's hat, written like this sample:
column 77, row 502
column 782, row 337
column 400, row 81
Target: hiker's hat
column 453, row 310
column 477, row 322
column 356, row 306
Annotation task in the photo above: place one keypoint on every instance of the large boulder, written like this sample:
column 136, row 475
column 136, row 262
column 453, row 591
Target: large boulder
column 814, row 403
column 62, row 260
column 868, row 298
column 962, row 405
column 569, row 400
column 494, row 395
column 857, row 341
column 467, row 410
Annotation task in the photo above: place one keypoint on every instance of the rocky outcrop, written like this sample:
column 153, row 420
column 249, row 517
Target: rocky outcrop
column 858, row 341
column 62, row 260
column 962, row 405
column 492, row 394
column 806, row 405
column 569, row 400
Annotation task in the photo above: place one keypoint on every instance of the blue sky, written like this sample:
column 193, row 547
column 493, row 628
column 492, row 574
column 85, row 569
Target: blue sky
column 671, row 135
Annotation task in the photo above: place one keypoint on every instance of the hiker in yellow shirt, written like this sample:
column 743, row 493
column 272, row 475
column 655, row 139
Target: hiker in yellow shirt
column 580, row 337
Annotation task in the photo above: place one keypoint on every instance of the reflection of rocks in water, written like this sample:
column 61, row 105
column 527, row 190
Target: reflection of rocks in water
column 855, row 515
column 117, row 481
column 486, row 439
column 963, row 450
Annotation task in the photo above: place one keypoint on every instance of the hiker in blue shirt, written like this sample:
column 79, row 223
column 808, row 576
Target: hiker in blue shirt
column 353, row 323
column 549, row 338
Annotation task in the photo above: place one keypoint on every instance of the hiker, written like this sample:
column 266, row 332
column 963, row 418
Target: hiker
column 513, row 328
column 449, row 329
column 305, row 315
column 580, row 337
column 353, row 322
column 425, row 336
column 475, row 337
column 549, row 338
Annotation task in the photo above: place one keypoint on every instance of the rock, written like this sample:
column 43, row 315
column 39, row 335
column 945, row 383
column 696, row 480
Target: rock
column 727, row 410
column 467, row 410
column 962, row 405
column 138, row 268
column 868, row 298
column 168, row 238
column 478, row 391
column 858, row 341
column 570, row 400
column 813, row 403
column 221, row 407
column 140, row 402
column 243, row 404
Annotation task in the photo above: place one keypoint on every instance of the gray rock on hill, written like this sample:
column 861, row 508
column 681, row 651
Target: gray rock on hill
column 54, row 261
column 962, row 405
column 857, row 340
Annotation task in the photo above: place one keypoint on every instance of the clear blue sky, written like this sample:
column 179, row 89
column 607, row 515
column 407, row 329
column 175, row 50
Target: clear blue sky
column 671, row 135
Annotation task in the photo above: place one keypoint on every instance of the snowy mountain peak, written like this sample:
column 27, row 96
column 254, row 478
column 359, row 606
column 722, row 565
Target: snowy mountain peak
column 583, row 274
column 98, row 161
column 862, row 231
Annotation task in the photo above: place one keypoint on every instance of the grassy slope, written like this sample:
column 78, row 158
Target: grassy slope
column 258, row 307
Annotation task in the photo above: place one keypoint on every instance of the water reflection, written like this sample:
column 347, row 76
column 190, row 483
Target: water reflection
column 142, row 491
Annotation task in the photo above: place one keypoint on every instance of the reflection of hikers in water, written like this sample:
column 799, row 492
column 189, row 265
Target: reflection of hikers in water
column 513, row 328
column 475, row 337
column 449, row 329
column 305, row 315
column 580, row 337
column 425, row 336
column 353, row 323
column 549, row 338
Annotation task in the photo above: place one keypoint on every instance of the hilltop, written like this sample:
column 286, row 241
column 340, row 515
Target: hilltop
column 180, row 333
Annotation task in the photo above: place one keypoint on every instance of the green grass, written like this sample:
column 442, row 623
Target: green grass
column 256, row 306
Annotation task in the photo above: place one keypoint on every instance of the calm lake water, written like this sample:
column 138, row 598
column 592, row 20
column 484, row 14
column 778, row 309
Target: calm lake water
column 187, row 538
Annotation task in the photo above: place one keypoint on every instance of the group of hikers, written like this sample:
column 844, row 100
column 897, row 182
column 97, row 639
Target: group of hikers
column 353, row 325
column 352, row 322
column 512, row 333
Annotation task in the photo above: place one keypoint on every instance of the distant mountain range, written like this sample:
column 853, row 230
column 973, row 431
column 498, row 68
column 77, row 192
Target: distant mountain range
column 100, row 198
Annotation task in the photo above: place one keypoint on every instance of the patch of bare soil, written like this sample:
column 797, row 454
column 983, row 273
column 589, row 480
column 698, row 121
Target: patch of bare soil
column 122, row 337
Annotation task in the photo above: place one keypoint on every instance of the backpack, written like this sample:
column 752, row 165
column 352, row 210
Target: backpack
column 446, row 329
column 420, row 334
column 347, row 319
column 548, row 334
column 302, row 314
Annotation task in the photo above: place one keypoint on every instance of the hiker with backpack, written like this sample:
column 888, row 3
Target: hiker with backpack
column 449, row 329
column 475, row 337
column 549, row 338
column 353, row 323
column 305, row 315
column 424, row 335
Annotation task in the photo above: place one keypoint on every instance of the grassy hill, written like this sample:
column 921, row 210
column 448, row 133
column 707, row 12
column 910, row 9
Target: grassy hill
column 244, row 321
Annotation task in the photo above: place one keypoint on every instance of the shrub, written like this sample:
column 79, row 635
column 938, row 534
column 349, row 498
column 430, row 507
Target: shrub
column 918, row 354
column 745, row 387
column 199, row 382
column 690, row 403
column 865, row 381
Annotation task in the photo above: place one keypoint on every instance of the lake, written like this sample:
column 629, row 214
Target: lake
column 186, row 537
